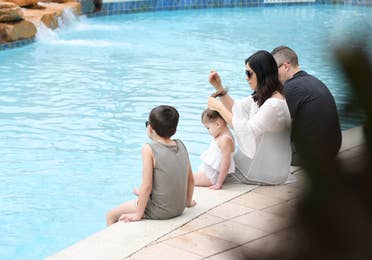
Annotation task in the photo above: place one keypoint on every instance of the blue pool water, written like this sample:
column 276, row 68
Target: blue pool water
column 73, row 105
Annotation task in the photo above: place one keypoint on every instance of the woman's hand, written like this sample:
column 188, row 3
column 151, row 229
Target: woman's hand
column 214, row 104
column 215, row 80
column 130, row 217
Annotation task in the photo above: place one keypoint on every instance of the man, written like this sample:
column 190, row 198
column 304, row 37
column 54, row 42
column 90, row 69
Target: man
column 316, row 132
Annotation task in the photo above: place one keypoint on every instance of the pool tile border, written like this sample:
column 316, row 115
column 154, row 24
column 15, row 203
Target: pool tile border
column 114, row 7
column 16, row 44
column 125, row 7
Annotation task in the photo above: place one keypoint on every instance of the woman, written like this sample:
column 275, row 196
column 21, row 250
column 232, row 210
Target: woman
column 261, row 123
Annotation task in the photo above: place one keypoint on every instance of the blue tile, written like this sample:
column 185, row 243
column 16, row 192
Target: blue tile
column 226, row 2
column 169, row 3
column 158, row 4
column 128, row 5
column 137, row 5
column 122, row 6
column 119, row 6
column 132, row 6
column 183, row 3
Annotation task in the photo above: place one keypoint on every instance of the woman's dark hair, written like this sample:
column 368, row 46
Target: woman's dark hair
column 265, row 67
column 209, row 115
column 164, row 120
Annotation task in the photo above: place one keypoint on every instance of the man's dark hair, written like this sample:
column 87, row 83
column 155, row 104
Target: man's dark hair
column 285, row 54
column 265, row 67
column 164, row 120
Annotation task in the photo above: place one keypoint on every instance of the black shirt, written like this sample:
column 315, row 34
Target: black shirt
column 315, row 124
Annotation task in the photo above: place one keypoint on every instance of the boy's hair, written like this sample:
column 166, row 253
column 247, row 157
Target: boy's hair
column 164, row 120
column 209, row 115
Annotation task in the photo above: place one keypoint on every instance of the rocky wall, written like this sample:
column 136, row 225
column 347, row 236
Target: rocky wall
column 19, row 19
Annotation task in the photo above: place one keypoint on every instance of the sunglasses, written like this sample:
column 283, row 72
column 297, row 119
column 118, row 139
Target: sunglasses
column 249, row 73
column 147, row 124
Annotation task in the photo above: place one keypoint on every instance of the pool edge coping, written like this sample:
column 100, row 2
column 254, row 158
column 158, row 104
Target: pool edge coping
column 104, row 240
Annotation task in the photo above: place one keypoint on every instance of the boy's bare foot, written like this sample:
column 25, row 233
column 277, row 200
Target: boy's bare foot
column 191, row 204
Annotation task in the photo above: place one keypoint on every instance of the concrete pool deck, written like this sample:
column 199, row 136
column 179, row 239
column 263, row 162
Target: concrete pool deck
column 225, row 224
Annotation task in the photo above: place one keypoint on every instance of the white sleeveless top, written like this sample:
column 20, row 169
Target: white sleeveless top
column 213, row 157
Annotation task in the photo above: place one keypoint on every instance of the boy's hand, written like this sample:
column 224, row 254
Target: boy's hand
column 136, row 191
column 215, row 187
column 191, row 204
column 129, row 217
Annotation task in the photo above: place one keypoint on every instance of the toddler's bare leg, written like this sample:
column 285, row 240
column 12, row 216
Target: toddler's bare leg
column 201, row 179
column 113, row 215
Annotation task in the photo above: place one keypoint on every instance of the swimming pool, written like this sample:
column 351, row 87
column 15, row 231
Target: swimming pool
column 73, row 105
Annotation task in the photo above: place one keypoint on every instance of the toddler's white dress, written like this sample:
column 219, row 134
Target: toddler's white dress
column 211, row 159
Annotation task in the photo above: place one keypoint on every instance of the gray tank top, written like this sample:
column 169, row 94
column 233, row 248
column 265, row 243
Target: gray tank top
column 170, row 177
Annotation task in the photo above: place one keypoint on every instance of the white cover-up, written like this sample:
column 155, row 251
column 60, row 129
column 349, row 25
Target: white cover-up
column 263, row 137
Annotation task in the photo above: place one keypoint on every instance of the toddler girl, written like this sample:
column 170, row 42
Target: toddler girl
column 218, row 160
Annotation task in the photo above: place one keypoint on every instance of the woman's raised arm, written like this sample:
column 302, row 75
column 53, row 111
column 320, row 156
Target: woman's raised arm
column 215, row 80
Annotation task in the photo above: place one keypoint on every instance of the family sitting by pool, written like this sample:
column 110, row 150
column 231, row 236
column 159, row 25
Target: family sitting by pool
column 285, row 119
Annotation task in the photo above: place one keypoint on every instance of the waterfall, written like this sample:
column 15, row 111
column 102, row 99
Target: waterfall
column 67, row 19
column 70, row 21
column 45, row 34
